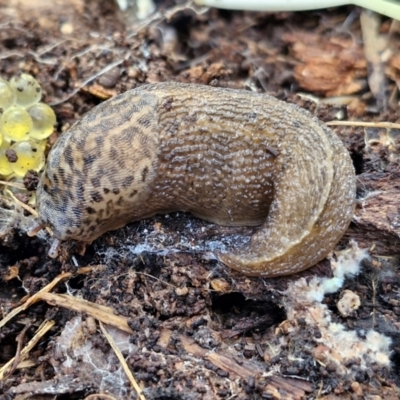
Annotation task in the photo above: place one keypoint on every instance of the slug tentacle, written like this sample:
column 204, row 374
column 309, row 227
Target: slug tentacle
column 228, row 156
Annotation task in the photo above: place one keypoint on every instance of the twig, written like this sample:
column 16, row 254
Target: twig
column 78, row 55
column 36, row 297
column 388, row 125
column 157, row 279
column 21, row 204
column 17, row 357
column 42, row 330
column 121, row 359
column 12, row 184
column 90, row 79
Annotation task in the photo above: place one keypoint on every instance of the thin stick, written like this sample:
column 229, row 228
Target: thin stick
column 36, row 297
column 90, row 79
column 11, row 184
column 364, row 124
column 29, row 209
column 17, row 357
column 121, row 359
column 43, row 329
column 21, row 204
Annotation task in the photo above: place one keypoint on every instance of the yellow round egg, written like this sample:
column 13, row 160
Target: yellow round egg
column 24, row 156
column 44, row 119
column 42, row 144
column 5, row 165
column 16, row 123
column 7, row 96
column 27, row 89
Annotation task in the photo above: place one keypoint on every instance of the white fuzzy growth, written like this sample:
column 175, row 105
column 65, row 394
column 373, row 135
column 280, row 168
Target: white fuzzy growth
column 337, row 344
column 78, row 351
column 346, row 265
column 349, row 303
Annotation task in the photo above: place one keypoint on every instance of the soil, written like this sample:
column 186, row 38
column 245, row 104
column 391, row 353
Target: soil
column 187, row 326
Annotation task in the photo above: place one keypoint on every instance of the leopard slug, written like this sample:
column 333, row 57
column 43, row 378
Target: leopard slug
column 231, row 157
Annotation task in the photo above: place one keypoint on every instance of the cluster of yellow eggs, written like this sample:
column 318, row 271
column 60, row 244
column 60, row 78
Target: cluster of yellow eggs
column 25, row 124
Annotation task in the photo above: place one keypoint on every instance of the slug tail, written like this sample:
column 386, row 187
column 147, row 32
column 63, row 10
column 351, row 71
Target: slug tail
column 305, row 227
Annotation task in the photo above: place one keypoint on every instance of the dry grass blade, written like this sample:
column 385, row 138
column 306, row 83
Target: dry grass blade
column 90, row 79
column 389, row 125
column 123, row 362
column 12, row 184
column 97, row 311
column 42, row 330
column 37, row 296
column 21, row 204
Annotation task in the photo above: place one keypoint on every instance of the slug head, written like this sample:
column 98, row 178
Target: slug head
column 100, row 173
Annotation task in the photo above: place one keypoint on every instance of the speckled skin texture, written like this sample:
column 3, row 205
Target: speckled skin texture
column 228, row 156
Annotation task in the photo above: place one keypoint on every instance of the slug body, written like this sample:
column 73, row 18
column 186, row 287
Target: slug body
column 228, row 156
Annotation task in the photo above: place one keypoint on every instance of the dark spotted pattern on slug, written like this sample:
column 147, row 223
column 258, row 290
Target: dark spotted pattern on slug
column 228, row 156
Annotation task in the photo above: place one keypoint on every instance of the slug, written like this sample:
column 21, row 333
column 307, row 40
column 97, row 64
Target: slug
column 231, row 157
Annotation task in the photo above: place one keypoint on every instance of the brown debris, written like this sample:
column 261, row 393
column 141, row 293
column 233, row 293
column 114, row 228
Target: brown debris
column 201, row 74
column 331, row 66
